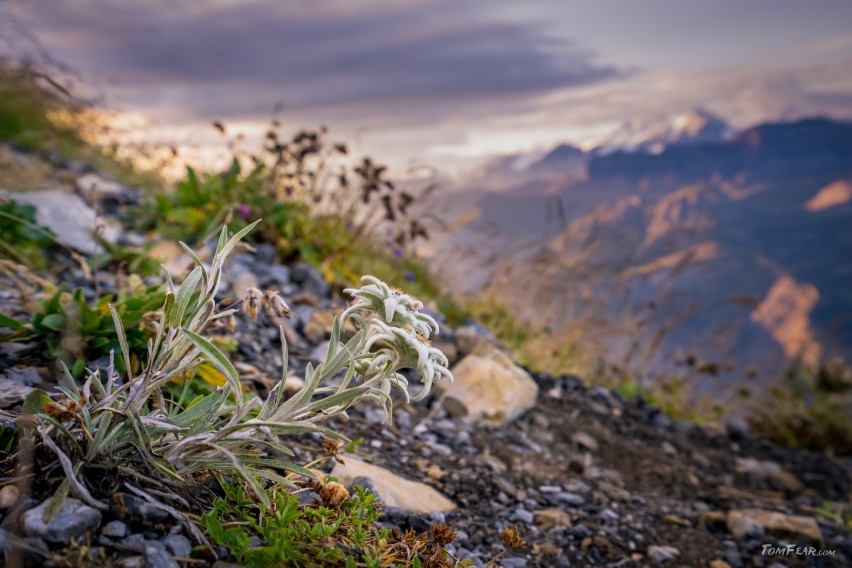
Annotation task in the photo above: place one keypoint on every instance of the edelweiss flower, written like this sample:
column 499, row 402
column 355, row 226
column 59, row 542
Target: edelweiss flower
column 407, row 349
column 397, row 338
column 393, row 306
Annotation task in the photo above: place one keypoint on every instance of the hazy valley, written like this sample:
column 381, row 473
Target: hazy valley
column 672, row 243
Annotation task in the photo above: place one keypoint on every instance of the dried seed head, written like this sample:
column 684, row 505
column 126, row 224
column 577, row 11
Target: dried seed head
column 512, row 538
column 151, row 321
column 276, row 304
column 332, row 448
column 334, row 494
column 443, row 534
column 252, row 302
column 60, row 411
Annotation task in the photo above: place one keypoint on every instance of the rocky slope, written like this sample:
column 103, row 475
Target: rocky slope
column 589, row 477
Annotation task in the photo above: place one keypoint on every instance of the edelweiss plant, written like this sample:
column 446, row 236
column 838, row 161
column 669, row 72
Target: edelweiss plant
column 131, row 427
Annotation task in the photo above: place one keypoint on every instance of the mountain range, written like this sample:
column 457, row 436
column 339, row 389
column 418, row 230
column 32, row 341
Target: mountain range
column 687, row 240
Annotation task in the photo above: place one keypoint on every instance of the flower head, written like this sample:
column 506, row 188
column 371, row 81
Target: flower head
column 397, row 338
column 392, row 305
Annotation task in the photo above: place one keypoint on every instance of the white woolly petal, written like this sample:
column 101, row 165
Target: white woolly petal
column 390, row 305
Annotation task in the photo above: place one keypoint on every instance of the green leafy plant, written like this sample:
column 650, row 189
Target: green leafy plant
column 809, row 408
column 327, row 534
column 330, row 531
column 76, row 331
column 315, row 207
column 21, row 238
column 132, row 428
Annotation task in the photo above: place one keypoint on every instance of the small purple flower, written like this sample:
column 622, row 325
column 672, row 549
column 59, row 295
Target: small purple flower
column 410, row 276
column 349, row 225
column 397, row 252
column 244, row 211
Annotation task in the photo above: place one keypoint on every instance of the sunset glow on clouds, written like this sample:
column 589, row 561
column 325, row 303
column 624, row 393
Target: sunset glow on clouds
column 446, row 82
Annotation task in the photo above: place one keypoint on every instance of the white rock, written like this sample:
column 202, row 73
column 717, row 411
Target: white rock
column 70, row 218
column 396, row 491
column 489, row 388
column 292, row 385
column 95, row 188
column 242, row 283
column 662, row 554
column 171, row 255
column 774, row 523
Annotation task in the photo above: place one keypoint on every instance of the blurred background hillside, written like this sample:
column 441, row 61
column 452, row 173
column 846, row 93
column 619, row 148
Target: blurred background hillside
column 653, row 195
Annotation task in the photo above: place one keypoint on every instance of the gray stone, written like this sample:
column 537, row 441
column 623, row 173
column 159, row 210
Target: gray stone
column 69, row 217
column 310, row 279
column 178, row 545
column 27, row 376
column 568, row 498
column 513, row 562
column 465, row 554
column 364, row 483
column 279, row 274
column 374, row 415
column 319, row 352
column 737, row 428
column 662, row 554
column 12, row 393
column 308, row 497
column 524, row 516
column 156, row 556
column 475, row 328
column 419, row 523
column 73, row 519
column 136, row 540
column 581, row 531
column 137, row 509
column 115, row 529
column 403, row 421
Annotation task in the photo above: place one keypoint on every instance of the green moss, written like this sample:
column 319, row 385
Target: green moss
column 332, row 531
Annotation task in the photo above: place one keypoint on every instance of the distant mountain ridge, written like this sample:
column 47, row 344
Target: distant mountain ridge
column 743, row 245
column 653, row 135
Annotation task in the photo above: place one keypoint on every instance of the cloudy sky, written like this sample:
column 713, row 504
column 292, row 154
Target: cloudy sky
column 445, row 82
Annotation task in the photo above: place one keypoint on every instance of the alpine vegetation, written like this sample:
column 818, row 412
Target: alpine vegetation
column 130, row 426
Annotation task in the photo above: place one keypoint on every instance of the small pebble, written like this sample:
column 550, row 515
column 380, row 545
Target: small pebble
column 115, row 529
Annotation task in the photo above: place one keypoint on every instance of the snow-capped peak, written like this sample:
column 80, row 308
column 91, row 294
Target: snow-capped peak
column 654, row 134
